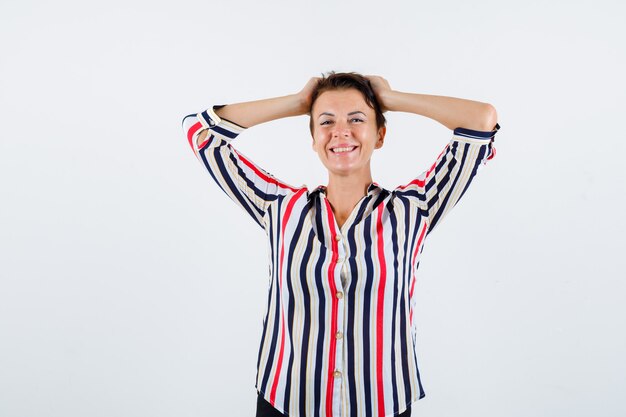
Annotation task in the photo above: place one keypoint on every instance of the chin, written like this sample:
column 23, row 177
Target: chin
column 342, row 171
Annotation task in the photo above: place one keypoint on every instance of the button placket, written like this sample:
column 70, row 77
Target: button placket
column 340, row 249
column 337, row 337
column 338, row 373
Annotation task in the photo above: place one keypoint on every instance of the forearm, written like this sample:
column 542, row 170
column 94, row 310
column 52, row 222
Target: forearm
column 252, row 113
column 449, row 111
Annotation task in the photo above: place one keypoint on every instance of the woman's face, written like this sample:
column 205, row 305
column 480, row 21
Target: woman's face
column 342, row 119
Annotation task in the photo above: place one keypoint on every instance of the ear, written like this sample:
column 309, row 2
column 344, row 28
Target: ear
column 381, row 137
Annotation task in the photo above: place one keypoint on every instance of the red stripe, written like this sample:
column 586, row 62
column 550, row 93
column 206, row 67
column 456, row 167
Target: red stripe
column 280, row 360
column 416, row 181
column 192, row 131
column 333, row 321
column 417, row 248
column 280, row 286
column 262, row 174
column 421, row 183
column 380, row 312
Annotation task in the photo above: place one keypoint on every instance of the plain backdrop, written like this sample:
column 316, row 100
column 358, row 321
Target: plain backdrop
column 132, row 286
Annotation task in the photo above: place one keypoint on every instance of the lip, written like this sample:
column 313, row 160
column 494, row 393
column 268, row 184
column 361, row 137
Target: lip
column 343, row 153
column 343, row 145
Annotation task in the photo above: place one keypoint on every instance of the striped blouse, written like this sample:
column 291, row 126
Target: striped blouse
column 339, row 332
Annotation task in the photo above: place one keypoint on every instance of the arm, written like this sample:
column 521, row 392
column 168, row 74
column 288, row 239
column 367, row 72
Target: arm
column 449, row 111
column 436, row 191
column 252, row 113
column 210, row 134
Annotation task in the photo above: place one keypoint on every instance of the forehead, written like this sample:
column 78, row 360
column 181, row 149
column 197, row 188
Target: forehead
column 345, row 100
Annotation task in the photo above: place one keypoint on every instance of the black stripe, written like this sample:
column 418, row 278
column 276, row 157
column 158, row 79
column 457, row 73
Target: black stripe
column 277, row 299
column 367, row 293
column 444, row 203
column 404, row 300
column 295, row 237
column 417, row 369
column 239, row 196
column 206, row 164
column 476, row 134
column 361, row 211
column 448, row 162
column 394, row 238
column 349, row 299
column 307, row 320
column 224, row 132
column 250, row 183
column 381, row 197
column 321, row 319
column 419, row 380
column 477, row 163
column 269, row 293
column 207, row 119
column 189, row 115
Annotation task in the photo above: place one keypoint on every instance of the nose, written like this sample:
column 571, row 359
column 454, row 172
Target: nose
column 340, row 129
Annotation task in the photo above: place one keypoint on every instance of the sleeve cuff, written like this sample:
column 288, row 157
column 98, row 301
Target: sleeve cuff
column 462, row 132
column 221, row 127
column 208, row 118
column 478, row 137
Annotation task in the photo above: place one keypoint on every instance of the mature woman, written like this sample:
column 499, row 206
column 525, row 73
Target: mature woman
column 338, row 334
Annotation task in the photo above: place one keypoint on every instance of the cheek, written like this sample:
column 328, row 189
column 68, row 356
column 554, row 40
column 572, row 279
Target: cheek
column 365, row 133
column 320, row 137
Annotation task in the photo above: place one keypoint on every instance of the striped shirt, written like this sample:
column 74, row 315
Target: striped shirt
column 339, row 331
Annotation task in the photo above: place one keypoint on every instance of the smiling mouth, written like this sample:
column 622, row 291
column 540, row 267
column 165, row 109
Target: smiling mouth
column 341, row 151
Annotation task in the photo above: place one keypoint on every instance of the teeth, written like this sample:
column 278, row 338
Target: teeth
column 339, row 150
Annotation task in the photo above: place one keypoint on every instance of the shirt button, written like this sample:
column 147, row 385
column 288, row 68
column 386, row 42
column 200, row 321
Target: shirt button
column 337, row 374
column 339, row 335
column 337, row 237
column 339, row 295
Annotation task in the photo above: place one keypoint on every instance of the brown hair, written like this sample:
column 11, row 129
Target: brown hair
column 343, row 81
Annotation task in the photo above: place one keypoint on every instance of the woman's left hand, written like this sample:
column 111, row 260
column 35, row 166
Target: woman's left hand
column 381, row 89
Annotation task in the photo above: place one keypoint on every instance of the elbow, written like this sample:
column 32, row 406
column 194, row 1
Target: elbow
column 483, row 118
column 489, row 117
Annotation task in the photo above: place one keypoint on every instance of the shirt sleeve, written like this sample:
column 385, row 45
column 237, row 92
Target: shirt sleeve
column 437, row 190
column 248, row 185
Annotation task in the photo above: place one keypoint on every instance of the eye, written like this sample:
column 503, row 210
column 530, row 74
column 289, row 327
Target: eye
column 326, row 122
column 356, row 119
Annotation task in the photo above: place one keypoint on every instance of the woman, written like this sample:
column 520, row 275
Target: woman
column 338, row 335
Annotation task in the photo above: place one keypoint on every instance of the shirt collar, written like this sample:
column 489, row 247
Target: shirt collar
column 322, row 188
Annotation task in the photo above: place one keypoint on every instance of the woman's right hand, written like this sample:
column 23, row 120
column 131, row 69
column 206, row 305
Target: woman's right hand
column 304, row 95
column 251, row 113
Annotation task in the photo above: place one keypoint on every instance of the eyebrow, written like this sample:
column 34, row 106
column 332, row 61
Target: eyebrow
column 349, row 114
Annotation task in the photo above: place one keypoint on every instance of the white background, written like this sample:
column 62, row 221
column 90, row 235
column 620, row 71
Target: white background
column 132, row 286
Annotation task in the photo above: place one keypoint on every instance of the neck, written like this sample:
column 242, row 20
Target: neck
column 345, row 191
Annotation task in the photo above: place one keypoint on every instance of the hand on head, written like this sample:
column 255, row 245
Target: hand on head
column 381, row 87
column 305, row 94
